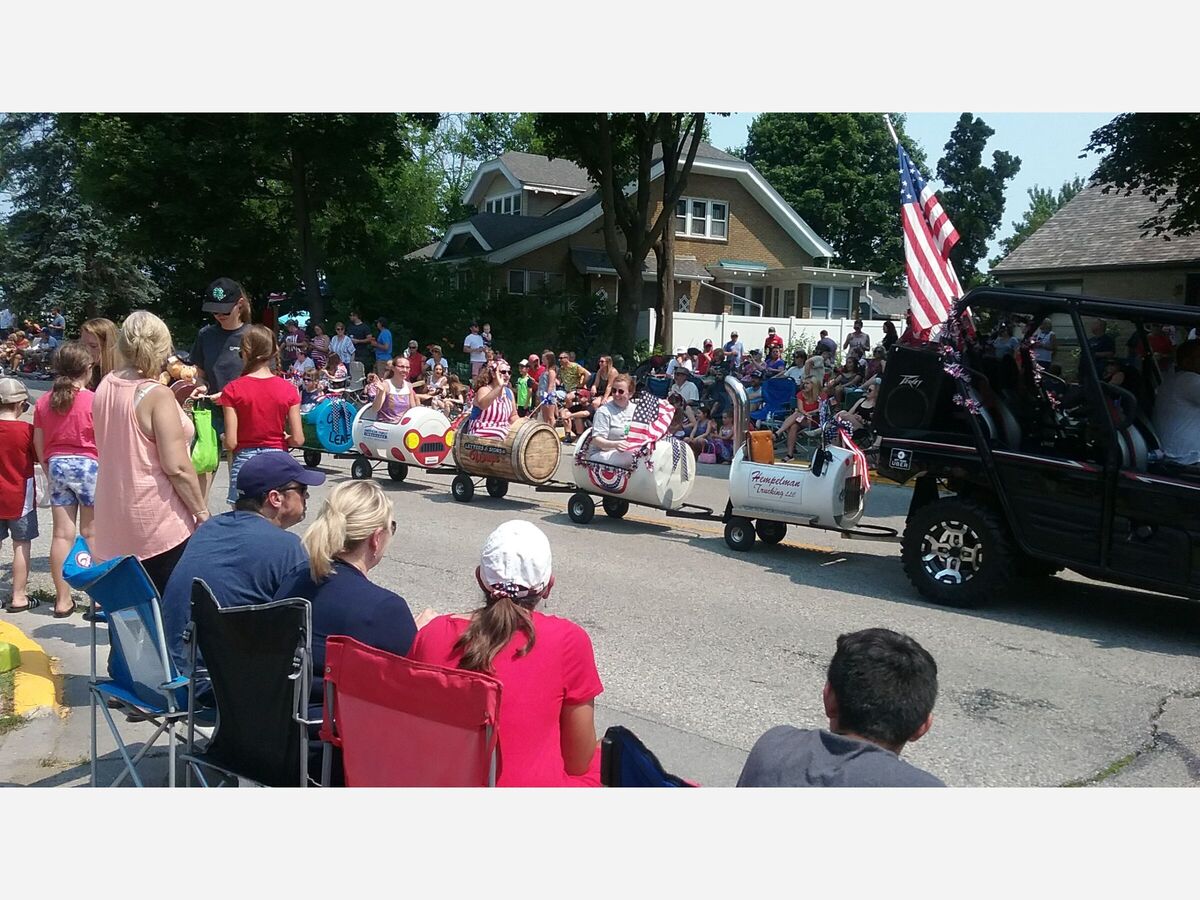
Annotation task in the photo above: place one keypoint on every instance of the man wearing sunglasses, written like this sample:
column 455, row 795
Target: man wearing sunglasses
column 245, row 554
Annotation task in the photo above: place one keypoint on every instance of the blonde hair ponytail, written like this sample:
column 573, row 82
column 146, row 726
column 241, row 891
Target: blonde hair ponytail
column 353, row 511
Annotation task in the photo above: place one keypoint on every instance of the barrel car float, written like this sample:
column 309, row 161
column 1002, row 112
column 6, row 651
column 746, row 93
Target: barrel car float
column 423, row 438
column 327, row 429
column 654, row 469
column 827, row 491
column 528, row 454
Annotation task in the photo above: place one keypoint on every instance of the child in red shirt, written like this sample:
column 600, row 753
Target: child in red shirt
column 258, row 405
column 18, row 512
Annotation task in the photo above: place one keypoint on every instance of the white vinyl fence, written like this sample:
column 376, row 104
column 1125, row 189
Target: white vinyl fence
column 690, row 329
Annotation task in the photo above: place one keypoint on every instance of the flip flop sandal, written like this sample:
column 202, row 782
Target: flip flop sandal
column 33, row 603
column 65, row 615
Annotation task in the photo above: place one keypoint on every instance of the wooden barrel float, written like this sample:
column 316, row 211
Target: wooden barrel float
column 528, row 454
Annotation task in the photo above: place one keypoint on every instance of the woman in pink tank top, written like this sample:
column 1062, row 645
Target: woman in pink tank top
column 148, row 499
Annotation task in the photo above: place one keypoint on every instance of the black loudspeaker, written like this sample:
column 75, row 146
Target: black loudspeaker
column 914, row 386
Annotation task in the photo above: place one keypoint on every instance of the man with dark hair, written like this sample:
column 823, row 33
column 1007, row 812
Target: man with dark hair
column 382, row 342
column 879, row 695
column 359, row 333
column 243, row 555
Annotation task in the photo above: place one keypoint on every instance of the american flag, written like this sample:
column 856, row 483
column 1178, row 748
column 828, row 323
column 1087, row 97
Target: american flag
column 928, row 237
column 651, row 421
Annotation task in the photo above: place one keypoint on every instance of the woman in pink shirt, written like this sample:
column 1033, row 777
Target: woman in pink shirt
column 148, row 499
column 65, row 443
column 545, row 663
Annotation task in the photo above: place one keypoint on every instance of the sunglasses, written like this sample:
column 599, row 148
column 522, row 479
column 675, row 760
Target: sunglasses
column 506, row 371
column 620, row 391
column 301, row 489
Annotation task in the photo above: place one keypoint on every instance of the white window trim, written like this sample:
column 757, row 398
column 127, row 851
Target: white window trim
column 708, row 220
column 748, row 308
column 514, row 196
column 829, row 309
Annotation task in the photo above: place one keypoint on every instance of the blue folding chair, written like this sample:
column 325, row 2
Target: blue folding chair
column 626, row 762
column 779, row 401
column 658, row 386
column 142, row 678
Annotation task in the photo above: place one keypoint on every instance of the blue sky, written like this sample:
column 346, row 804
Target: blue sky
column 1048, row 144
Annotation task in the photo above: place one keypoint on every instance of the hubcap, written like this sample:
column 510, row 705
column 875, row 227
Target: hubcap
column 952, row 552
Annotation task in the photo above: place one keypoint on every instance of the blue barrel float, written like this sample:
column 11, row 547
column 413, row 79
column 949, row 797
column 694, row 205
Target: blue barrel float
column 327, row 426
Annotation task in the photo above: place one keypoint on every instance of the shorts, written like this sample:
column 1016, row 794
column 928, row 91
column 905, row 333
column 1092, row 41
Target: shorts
column 72, row 480
column 235, row 466
column 22, row 529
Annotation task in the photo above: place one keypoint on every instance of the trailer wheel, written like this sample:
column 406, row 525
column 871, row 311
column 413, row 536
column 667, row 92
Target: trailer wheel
column 957, row 553
column 615, row 508
column 739, row 534
column 496, row 487
column 312, row 458
column 360, row 468
column 397, row 471
column 770, row 532
column 581, row 507
column 462, row 488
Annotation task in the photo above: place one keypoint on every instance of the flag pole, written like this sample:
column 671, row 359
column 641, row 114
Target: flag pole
column 888, row 121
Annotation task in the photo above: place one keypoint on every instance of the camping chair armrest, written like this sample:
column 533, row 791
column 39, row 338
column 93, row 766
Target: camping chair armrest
column 303, row 721
column 179, row 681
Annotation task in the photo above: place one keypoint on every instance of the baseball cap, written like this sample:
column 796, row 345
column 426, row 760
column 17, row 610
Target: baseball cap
column 680, row 370
column 533, row 359
column 12, row 391
column 222, row 296
column 269, row 471
column 523, row 364
column 733, row 334
column 515, row 558
column 680, row 351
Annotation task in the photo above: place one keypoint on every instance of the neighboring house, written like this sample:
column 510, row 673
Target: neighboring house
column 876, row 304
column 1094, row 245
column 739, row 248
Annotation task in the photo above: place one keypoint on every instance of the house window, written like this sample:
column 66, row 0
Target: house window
column 755, row 295
column 602, row 295
column 830, row 302
column 521, row 281
column 516, row 281
column 789, row 303
column 702, row 218
column 683, row 303
column 508, row 205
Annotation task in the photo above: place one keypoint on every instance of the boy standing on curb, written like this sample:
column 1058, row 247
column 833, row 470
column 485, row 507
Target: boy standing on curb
column 18, row 511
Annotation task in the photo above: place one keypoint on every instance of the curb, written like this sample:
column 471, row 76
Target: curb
column 37, row 686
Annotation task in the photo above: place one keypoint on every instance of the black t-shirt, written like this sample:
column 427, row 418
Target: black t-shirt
column 218, row 353
column 364, row 353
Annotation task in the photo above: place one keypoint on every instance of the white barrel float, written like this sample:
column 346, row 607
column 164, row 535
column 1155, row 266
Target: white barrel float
column 528, row 454
column 786, row 492
column 423, row 437
column 663, row 479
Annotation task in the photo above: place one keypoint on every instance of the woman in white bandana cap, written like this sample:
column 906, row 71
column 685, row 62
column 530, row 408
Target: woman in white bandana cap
column 546, row 663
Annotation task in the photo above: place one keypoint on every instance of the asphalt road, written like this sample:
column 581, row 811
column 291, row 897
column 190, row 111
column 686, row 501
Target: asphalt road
column 701, row 648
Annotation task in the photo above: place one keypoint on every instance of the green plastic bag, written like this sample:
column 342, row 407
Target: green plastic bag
column 205, row 455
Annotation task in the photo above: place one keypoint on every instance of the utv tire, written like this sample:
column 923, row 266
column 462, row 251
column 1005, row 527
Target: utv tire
column 956, row 552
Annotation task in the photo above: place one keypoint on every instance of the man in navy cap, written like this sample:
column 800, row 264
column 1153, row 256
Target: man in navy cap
column 243, row 555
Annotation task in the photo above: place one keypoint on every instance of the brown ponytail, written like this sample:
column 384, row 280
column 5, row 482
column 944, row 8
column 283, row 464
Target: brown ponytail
column 72, row 363
column 493, row 627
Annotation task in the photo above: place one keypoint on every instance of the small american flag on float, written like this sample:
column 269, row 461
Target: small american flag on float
column 651, row 421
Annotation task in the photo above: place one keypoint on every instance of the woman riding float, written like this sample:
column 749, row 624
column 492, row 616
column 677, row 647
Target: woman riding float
column 395, row 395
column 495, row 408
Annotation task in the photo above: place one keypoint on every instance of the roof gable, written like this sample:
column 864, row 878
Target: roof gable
column 1095, row 229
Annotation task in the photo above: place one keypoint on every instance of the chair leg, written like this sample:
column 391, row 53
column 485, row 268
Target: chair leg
column 171, row 754
column 129, row 764
column 94, row 723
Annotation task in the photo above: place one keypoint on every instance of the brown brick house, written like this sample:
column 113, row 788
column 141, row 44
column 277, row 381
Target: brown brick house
column 740, row 248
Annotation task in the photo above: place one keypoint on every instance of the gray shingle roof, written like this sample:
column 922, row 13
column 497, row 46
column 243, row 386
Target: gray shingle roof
column 887, row 304
column 1096, row 229
column 585, row 258
column 531, row 169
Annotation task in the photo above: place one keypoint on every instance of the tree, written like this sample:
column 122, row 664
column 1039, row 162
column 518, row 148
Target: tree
column 973, row 196
column 839, row 172
column 57, row 249
column 258, row 197
column 1043, row 203
column 1158, row 154
column 621, row 149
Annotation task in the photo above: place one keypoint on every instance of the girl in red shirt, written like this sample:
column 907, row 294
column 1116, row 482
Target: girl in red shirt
column 258, row 406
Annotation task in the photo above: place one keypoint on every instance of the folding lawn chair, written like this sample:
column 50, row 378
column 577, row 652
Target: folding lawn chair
column 142, row 677
column 403, row 723
column 779, row 401
column 259, row 661
column 626, row 762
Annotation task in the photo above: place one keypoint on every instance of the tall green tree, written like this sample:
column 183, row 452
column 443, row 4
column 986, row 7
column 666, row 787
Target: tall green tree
column 1043, row 203
column 58, row 249
column 1159, row 155
column 262, row 198
column 840, row 173
column 973, row 196
column 620, row 149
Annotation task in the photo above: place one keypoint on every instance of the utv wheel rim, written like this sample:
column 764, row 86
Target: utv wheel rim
column 951, row 552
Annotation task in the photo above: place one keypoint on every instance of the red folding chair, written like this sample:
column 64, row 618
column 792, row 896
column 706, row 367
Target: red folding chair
column 402, row 723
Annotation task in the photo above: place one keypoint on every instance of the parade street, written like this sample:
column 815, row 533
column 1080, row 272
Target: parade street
column 701, row 649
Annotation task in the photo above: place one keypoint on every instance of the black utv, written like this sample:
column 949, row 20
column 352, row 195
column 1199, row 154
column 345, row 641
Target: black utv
column 1023, row 469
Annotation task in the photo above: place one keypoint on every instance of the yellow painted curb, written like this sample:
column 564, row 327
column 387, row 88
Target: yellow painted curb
column 37, row 686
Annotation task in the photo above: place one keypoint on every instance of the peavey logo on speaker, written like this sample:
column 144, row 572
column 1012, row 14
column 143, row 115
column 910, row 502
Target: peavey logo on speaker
column 913, row 381
column 774, row 485
column 901, row 458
